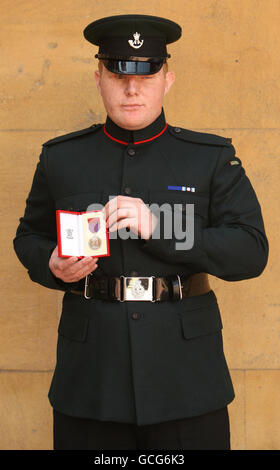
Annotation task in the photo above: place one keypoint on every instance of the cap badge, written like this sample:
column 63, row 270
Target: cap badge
column 136, row 43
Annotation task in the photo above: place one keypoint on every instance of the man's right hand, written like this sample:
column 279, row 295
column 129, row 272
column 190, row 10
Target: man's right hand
column 71, row 269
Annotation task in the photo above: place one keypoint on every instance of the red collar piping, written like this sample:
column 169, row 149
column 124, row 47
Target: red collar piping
column 139, row 141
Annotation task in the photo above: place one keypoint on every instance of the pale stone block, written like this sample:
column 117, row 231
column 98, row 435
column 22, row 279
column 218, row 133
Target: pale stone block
column 227, row 64
column 29, row 313
column 262, row 410
column 236, row 411
column 25, row 412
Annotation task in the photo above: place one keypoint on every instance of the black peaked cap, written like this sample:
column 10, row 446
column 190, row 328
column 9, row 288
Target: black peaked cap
column 151, row 28
column 129, row 37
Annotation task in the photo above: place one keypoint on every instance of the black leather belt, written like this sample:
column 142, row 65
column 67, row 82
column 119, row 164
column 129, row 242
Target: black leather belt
column 144, row 288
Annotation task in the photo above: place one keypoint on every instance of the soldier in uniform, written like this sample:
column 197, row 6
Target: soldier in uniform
column 142, row 368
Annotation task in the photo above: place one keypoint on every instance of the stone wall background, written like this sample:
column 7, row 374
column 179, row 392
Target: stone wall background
column 227, row 65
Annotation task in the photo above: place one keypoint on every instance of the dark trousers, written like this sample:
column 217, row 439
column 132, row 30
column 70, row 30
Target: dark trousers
column 206, row 432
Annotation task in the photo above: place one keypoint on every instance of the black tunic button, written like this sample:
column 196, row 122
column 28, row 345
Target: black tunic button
column 135, row 316
column 177, row 129
column 134, row 273
column 131, row 152
column 127, row 190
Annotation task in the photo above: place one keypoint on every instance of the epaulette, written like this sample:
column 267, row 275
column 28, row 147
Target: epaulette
column 72, row 135
column 199, row 137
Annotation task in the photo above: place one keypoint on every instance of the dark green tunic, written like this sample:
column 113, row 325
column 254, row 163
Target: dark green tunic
column 167, row 362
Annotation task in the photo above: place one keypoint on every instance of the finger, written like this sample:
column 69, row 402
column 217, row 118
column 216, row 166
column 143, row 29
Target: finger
column 65, row 262
column 130, row 222
column 119, row 202
column 61, row 265
column 55, row 251
column 110, row 206
column 83, row 263
column 74, row 267
column 84, row 268
column 120, row 214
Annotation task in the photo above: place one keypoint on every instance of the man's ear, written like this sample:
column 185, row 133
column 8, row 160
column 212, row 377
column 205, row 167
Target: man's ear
column 97, row 79
column 169, row 80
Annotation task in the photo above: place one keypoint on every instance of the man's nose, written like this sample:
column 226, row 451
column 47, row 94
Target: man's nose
column 131, row 85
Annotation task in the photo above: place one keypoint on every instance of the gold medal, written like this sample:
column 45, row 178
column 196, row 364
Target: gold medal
column 94, row 242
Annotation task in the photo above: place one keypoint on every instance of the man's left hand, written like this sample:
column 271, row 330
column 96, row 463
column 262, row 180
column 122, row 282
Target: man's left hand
column 131, row 212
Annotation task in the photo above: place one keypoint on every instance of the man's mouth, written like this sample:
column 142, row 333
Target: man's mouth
column 132, row 106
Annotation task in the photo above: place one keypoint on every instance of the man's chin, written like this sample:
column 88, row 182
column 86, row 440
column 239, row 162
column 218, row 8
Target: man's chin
column 133, row 121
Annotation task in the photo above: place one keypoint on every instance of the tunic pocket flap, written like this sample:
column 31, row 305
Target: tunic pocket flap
column 73, row 326
column 80, row 202
column 201, row 322
column 177, row 200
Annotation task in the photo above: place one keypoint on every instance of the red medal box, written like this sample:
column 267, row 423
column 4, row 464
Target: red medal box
column 82, row 234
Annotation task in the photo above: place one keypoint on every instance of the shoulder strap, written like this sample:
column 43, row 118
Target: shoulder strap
column 72, row 135
column 199, row 137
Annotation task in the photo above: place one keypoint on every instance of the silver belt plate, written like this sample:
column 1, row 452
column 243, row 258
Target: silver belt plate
column 137, row 288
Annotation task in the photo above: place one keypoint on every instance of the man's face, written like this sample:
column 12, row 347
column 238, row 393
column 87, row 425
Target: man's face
column 133, row 101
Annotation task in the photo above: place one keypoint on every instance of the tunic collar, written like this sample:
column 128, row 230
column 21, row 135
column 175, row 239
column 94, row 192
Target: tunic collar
column 140, row 136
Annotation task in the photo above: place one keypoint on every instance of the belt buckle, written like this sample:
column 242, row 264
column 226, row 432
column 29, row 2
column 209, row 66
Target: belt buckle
column 137, row 288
